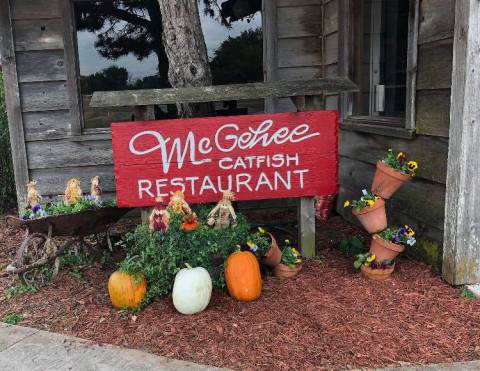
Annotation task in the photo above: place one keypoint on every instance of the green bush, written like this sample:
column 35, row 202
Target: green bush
column 7, row 181
column 160, row 255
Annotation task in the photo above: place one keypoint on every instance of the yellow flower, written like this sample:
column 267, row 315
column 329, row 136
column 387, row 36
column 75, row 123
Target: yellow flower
column 370, row 203
column 409, row 231
column 287, row 242
column 377, row 197
column 261, row 230
column 400, row 155
column 295, row 251
column 346, row 204
column 250, row 244
column 371, row 258
column 412, row 165
column 298, row 261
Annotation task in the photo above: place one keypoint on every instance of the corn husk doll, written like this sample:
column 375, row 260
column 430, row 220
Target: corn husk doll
column 95, row 189
column 177, row 203
column 73, row 193
column 33, row 196
column 160, row 217
column 223, row 215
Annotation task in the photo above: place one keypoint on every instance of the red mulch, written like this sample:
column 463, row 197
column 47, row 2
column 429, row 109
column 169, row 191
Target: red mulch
column 328, row 317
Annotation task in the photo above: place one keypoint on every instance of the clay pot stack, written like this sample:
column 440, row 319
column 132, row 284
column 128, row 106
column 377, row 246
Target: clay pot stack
column 385, row 183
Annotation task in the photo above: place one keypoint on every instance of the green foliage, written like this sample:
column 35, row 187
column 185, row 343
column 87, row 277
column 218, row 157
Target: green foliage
column 290, row 255
column 368, row 199
column 160, row 255
column 351, row 245
column 259, row 243
column 7, row 179
column 239, row 59
column 78, row 275
column 19, row 290
column 402, row 236
column 467, row 294
column 61, row 208
column 12, row 319
column 368, row 259
column 362, row 259
column 399, row 162
column 72, row 259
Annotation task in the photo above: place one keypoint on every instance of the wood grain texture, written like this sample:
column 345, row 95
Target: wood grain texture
column 36, row 9
column 270, row 47
column 430, row 152
column 330, row 22
column 46, row 125
column 433, row 112
column 300, row 21
column 42, row 65
column 297, row 73
column 300, row 52
column 38, row 34
column 437, row 19
column 44, row 96
column 461, row 250
column 435, row 65
column 331, row 48
column 13, row 104
column 52, row 182
column 221, row 92
column 295, row 3
column 67, row 153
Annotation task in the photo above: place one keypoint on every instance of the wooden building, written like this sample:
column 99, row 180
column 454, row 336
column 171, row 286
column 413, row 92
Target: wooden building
column 403, row 54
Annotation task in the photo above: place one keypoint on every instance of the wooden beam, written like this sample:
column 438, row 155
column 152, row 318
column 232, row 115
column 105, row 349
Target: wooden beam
column 270, row 56
column 12, row 97
column 221, row 92
column 461, row 251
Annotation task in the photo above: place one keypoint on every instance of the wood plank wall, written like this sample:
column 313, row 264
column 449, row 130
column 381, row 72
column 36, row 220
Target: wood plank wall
column 420, row 203
column 53, row 154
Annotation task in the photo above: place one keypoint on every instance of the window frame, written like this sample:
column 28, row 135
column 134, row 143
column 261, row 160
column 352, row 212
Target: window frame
column 72, row 59
column 346, row 59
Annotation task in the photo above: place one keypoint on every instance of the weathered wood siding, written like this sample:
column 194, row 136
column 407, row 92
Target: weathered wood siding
column 421, row 202
column 54, row 155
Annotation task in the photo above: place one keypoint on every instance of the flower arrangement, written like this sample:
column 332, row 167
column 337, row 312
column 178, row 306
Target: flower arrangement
column 259, row 242
column 368, row 199
column 369, row 260
column 290, row 255
column 402, row 236
column 400, row 162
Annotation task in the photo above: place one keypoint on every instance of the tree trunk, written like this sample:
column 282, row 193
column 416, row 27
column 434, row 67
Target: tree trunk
column 186, row 51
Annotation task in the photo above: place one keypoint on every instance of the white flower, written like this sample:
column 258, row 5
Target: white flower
column 411, row 241
column 364, row 192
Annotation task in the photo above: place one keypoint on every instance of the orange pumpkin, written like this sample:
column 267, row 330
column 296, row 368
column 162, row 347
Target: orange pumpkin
column 126, row 291
column 242, row 275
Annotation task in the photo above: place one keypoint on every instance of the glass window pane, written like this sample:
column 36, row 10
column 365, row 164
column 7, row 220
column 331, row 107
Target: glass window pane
column 120, row 47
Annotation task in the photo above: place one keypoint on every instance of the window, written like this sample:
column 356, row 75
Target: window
column 119, row 47
column 379, row 61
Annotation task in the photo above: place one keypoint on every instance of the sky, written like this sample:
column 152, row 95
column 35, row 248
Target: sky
column 214, row 32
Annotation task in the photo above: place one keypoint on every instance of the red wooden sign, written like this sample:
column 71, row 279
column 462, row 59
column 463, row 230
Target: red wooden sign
column 255, row 156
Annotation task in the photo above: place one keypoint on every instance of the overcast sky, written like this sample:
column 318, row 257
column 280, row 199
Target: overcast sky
column 215, row 33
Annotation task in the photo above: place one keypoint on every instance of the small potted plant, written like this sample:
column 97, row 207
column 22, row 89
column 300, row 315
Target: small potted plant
column 370, row 211
column 392, row 171
column 372, row 268
column 387, row 244
column 291, row 263
column 265, row 246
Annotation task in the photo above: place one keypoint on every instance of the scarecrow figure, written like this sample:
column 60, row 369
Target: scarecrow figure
column 177, row 203
column 73, row 193
column 223, row 216
column 33, row 197
column 95, row 189
column 160, row 217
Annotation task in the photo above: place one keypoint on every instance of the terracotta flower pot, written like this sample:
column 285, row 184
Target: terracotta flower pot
column 285, row 271
column 387, row 180
column 373, row 219
column 274, row 255
column 377, row 274
column 384, row 250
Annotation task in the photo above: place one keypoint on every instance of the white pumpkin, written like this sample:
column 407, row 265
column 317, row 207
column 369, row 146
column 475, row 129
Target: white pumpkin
column 192, row 290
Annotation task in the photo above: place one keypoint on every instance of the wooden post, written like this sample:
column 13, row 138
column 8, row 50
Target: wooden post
column 143, row 113
column 461, row 251
column 306, row 205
